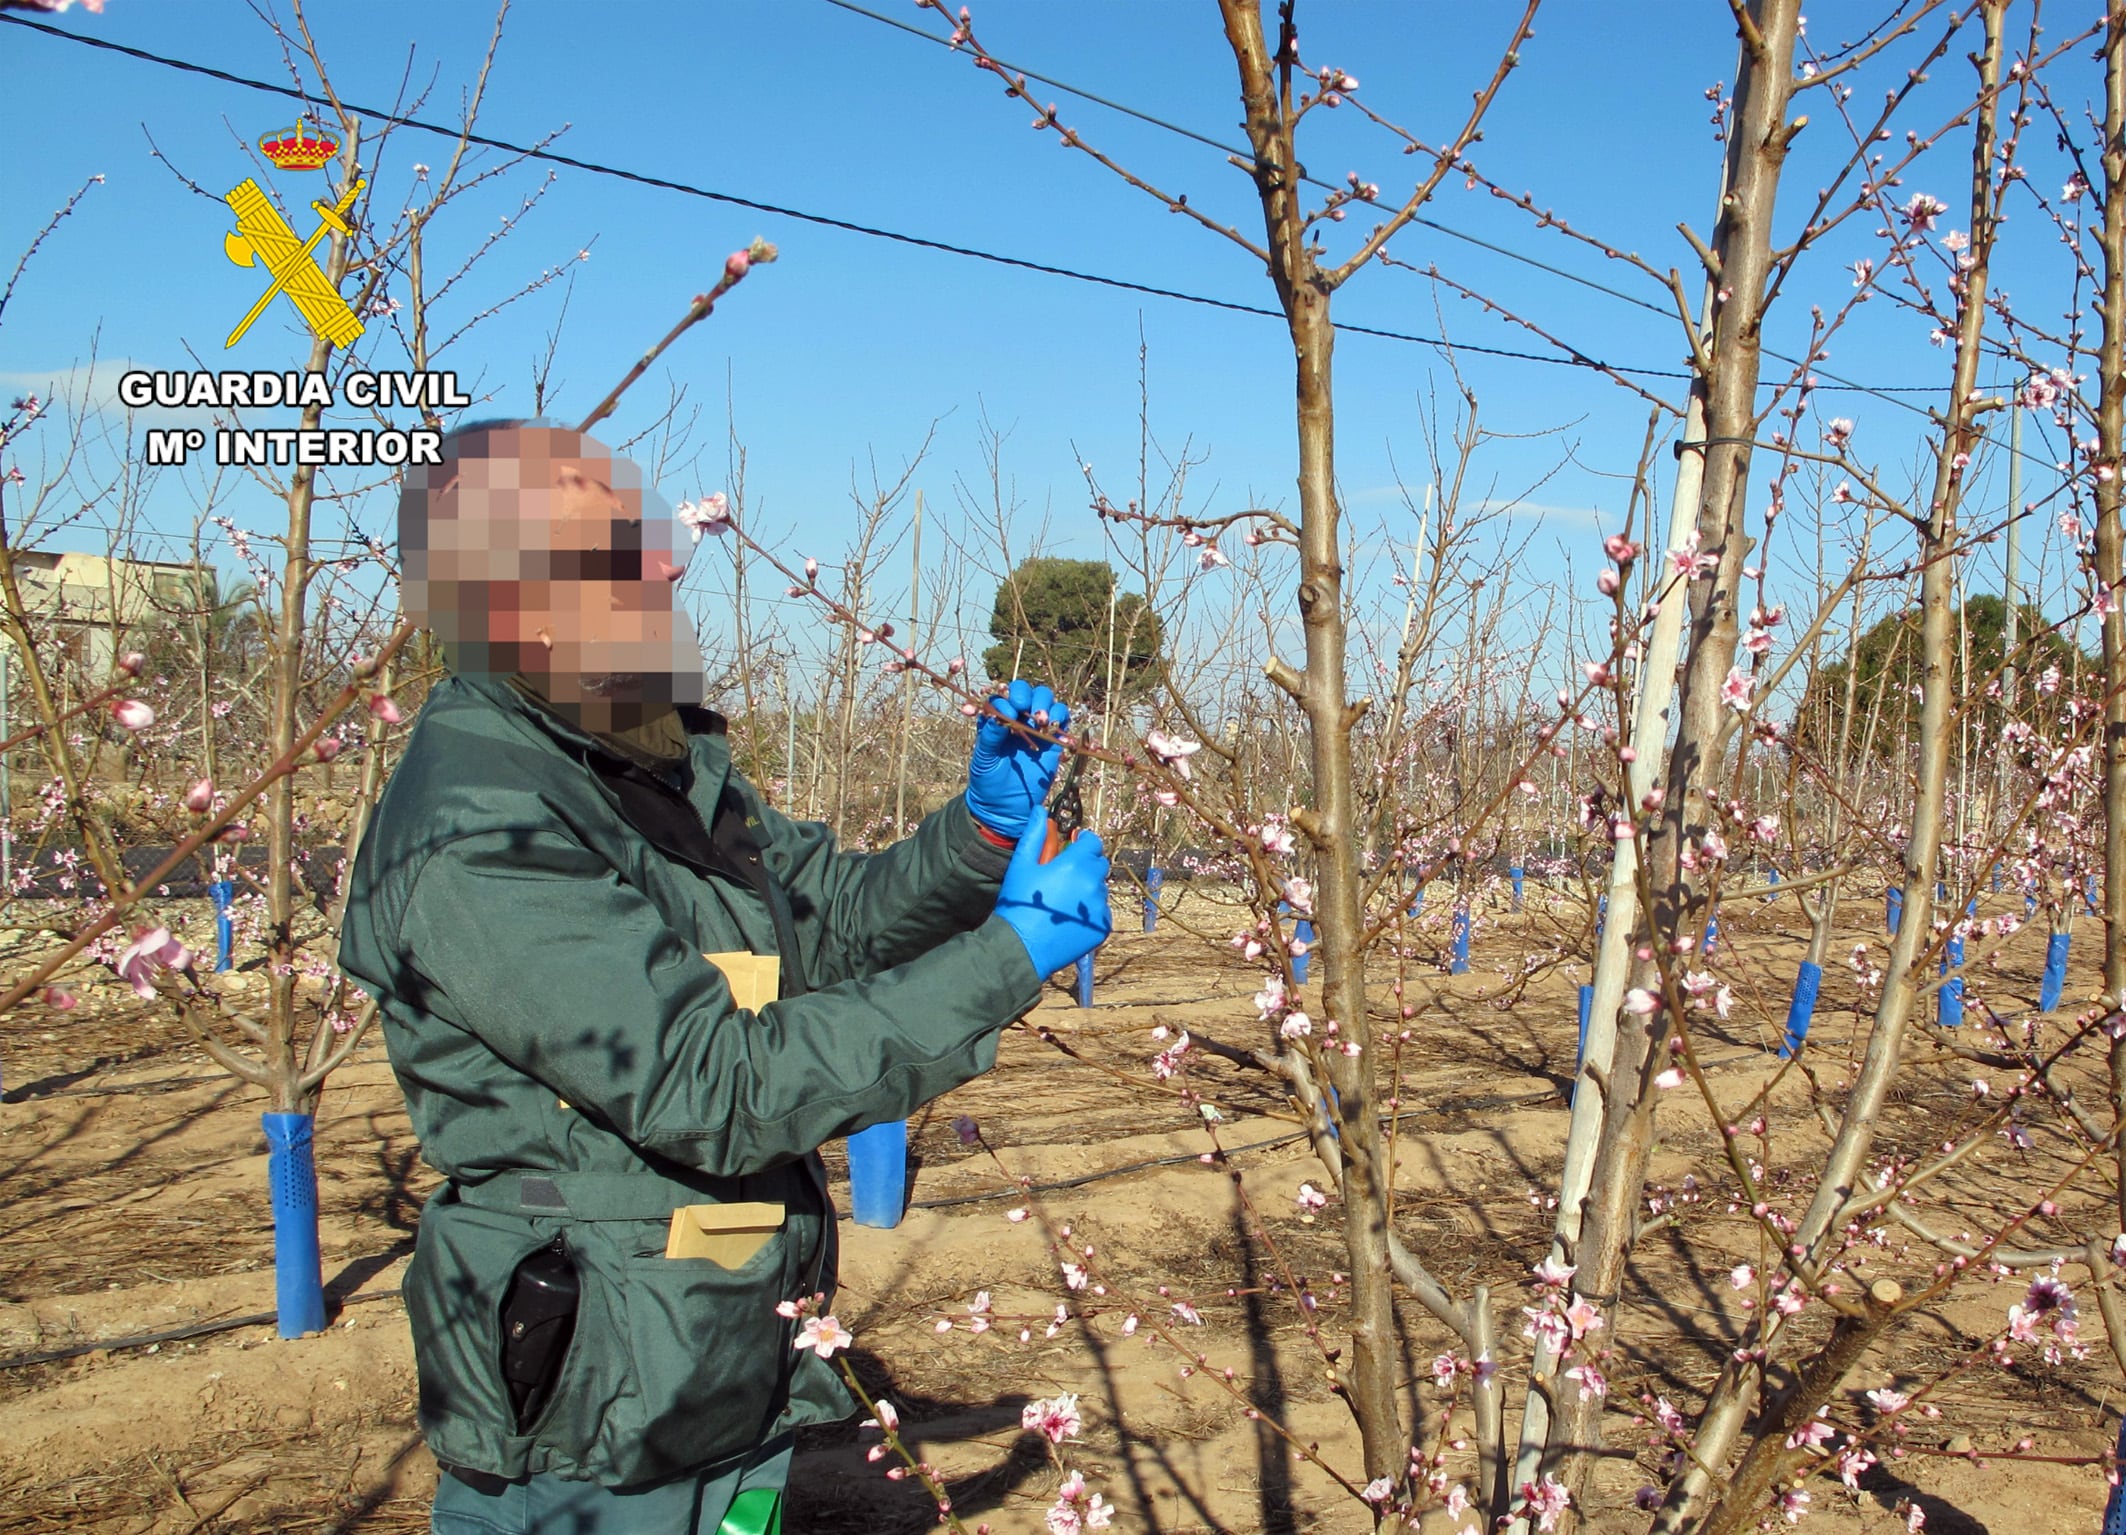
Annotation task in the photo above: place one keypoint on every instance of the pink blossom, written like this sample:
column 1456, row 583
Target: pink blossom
column 1296, row 1025
column 1794, row 1504
column 1735, row 691
column 1591, row 1380
column 383, row 709
column 1640, row 1001
column 1054, row 1418
column 1620, row 549
column 60, row 1000
column 1583, row 1316
column 1597, row 672
column 824, row 1336
column 1607, row 583
column 1276, row 837
column 1923, row 210
column 884, row 1417
column 1839, row 432
column 1545, row 1501
column 1812, row 1435
column 131, row 662
column 1076, row 1510
column 1171, row 751
column 1211, row 558
column 132, row 714
column 1300, row 893
column 1671, row 1078
column 151, row 950
column 1550, row 1331
column 1853, row 1464
column 1271, row 999
column 1888, row 1400
column 1550, row 1274
column 1309, row 1198
column 200, row 797
column 711, row 514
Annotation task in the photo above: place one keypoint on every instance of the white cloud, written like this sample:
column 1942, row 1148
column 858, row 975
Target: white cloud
column 93, row 389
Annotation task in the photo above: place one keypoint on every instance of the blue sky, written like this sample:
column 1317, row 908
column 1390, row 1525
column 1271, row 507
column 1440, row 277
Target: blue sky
column 851, row 347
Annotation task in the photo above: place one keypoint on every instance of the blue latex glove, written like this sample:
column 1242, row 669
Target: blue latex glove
column 1058, row 908
column 1008, row 780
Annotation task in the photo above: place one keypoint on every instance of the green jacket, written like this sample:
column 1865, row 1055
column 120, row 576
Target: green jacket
column 575, row 1068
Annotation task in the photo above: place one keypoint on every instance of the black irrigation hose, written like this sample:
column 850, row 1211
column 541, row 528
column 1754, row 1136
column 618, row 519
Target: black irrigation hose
column 174, row 1335
column 261, row 1318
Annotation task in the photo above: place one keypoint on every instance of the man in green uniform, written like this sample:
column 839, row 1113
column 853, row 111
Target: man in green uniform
column 630, row 1154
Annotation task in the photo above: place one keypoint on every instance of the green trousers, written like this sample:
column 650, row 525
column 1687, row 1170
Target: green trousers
column 745, row 1501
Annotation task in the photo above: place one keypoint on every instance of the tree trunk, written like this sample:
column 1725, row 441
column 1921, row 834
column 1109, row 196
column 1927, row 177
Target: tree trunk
column 1331, row 822
column 1741, row 245
column 1735, row 1392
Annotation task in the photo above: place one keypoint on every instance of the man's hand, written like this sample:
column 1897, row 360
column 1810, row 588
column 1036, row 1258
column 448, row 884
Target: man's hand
column 1059, row 908
column 1008, row 780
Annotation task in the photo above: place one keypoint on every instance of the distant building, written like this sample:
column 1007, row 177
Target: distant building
column 95, row 601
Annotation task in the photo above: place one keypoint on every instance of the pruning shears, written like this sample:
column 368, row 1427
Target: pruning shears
column 1066, row 808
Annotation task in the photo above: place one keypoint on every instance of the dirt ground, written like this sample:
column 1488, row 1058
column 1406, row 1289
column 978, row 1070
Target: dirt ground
column 133, row 1201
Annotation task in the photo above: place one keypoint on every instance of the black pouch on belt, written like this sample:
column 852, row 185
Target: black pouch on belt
column 538, row 1319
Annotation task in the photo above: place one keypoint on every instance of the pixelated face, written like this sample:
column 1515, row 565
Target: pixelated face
column 547, row 555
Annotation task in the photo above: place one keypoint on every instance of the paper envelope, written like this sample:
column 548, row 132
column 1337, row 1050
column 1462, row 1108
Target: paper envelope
column 726, row 1235
column 755, row 979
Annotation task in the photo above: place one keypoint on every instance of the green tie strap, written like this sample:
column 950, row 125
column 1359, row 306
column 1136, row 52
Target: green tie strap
column 756, row 1511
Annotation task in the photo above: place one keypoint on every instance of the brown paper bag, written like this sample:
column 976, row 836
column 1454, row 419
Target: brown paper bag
column 726, row 1235
column 755, row 979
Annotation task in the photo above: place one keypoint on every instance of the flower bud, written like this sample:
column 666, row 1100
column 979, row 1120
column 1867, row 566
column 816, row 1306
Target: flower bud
column 131, row 662
column 381, row 707
column 199, row 799
column 132, row 714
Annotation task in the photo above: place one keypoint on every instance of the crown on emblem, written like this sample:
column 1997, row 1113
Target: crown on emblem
column 294, row 149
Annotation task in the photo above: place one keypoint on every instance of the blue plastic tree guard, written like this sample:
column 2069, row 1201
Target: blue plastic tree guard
column 1586, row 1007
column 1335, row 1107
column 1154, row 882
column 1417, row 903
column 1801, row 1011
column 1517, row 873
column 1952, row 990
column 1303, row 930
column 1085, row 980
column 291, row 1174
column 1712, row 931
column 1893, row 902
column 2115, row 1509
column 223, row 891
column 2048, row 996
column 1459, row 963
column 878, row 1174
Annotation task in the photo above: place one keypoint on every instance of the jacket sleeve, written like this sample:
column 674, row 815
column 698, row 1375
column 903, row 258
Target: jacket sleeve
column 533, row 944
column 861, row 913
